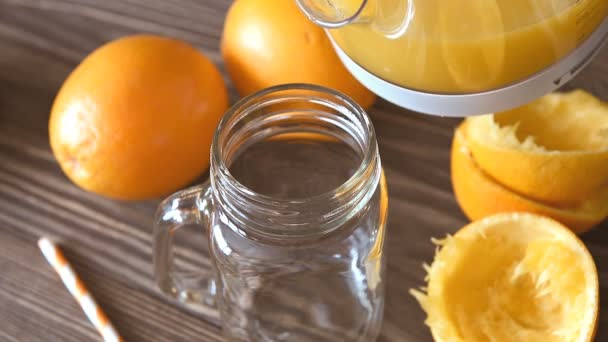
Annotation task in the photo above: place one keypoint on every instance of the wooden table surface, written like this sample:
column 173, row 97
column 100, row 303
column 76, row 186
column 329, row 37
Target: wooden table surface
column 109, row 242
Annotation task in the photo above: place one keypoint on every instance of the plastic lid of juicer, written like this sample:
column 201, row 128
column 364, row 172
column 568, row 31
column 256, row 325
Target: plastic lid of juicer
column 462, row 57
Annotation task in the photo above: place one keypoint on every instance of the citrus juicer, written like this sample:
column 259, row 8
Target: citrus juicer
column 462, row 57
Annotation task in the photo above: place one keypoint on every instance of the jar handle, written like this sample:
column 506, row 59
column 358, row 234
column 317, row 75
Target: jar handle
column 188, row 207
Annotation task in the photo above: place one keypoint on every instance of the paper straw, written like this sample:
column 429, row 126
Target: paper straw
column 70, row 279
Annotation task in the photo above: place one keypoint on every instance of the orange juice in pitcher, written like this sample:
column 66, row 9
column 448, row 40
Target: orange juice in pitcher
column 455, row 48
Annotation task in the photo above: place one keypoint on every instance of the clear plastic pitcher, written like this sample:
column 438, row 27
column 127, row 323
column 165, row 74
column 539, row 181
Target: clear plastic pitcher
column 462, row 47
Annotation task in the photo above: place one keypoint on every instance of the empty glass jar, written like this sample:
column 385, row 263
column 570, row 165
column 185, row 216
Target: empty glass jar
column 295, row 211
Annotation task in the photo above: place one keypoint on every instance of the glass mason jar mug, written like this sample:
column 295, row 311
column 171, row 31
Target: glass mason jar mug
column 295, row 213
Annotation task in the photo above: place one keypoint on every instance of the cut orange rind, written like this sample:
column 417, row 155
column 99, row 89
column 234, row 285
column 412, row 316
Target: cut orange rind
column 480, row 195
column 511, row 277
column 554, row 149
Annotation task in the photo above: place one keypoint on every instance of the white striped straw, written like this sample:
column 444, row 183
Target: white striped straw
column 70, row 279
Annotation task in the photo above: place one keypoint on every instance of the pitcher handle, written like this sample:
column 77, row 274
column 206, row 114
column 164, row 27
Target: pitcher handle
column 392, row 20
column 326, row 14
column 188, row 207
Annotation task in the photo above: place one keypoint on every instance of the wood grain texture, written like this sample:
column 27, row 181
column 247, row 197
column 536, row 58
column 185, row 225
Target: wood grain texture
column 109, row 242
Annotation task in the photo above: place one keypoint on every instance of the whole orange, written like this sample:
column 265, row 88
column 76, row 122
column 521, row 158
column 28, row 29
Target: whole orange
column 136, row 118
column 270, row 42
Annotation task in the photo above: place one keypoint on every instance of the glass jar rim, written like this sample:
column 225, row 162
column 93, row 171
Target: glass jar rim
column 351, row 190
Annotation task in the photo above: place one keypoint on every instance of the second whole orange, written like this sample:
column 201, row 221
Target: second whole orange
column 271, row 42
column 136, row 118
